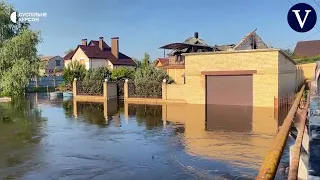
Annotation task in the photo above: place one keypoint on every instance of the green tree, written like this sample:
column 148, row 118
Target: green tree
column 145, row 61
column 74, row 70
column 289, row 52
column 93, row 81
column 122, row 73
column 69, row 50
column 148, row 81
column 138, row 63
column 18, row 54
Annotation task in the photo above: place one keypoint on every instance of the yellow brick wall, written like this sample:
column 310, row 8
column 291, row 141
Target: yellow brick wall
column 265, row 81
column 176, row 75
column 308, row 70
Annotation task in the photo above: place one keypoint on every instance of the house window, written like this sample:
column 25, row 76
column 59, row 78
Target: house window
column 82, row 61
column 57, row 62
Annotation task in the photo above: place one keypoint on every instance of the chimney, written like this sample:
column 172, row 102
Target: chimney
column 84, row 42
column 196, row 35
column 101, row 43
column 115, row 46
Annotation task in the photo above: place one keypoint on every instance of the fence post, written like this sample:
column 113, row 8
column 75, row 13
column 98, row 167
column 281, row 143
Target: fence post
column 105, row 89
column 164, row 89
column 74, row 87
column 54, row 81
column 125, row 89
column 36, row 81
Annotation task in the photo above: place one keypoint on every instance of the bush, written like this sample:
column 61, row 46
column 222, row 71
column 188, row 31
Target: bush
column 74, row 70
column 148, row 81
column 308, row 60
column 93, row 81
column 122, row 73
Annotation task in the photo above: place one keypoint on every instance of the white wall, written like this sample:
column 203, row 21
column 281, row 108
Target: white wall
column 95, row 63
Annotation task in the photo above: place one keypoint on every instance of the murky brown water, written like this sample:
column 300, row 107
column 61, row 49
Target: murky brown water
column 56, row 139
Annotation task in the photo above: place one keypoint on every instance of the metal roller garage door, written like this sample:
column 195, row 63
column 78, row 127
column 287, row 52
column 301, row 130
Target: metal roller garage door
column 229, row 101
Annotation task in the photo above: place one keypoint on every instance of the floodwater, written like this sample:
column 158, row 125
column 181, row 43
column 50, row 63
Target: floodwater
column 65, row 139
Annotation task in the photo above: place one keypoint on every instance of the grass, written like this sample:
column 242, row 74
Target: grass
column 39, row 89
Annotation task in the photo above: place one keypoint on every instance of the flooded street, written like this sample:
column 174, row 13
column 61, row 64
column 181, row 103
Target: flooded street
column 65, row 139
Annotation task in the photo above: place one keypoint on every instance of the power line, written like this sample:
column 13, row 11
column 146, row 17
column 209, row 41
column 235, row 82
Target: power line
column 316, row 3
column 303, row 39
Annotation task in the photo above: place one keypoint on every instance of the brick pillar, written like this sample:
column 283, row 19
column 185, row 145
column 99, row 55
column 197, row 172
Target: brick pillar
column 125, row 90
column 105, row 89
column 75, row 108
column 164, row 89
column 126, row 112
column 74, row 87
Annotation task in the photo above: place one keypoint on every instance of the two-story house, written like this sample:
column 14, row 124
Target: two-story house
column 99, row 54
column 51, row 65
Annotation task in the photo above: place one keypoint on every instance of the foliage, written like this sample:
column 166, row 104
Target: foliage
column 138, row 63
column 18, row 53
column 148, row 81
column 93, row 81
column 308, row 60
column 74, row 70
column 289, row 52
column 122, row 73
column 69, row 50
column 145, row 62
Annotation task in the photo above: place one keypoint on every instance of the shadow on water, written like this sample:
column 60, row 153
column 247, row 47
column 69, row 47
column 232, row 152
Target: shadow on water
column 20, row 128
column 146, row 115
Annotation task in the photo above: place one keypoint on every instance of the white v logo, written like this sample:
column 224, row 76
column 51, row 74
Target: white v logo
column 296, row 12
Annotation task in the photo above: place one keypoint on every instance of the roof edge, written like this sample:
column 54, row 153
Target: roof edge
column 241, row 51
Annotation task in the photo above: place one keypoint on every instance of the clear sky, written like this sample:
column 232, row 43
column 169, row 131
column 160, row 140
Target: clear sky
column 145, row 25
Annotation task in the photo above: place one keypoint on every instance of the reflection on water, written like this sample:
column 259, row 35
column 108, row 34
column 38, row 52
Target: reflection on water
column 116, row 140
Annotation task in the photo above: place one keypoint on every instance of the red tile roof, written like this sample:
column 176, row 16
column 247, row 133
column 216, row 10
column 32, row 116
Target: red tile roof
column 68, row 56
column 93, row 51
column 307, row 48
column 163, row 61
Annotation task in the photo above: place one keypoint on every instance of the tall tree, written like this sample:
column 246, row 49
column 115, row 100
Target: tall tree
column 18, row 53
column 69, row 50
column 145, row 61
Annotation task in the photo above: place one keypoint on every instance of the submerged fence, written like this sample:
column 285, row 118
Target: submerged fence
column 270, row 165
column 141, row 91
column 91, row 88
column 45, row 81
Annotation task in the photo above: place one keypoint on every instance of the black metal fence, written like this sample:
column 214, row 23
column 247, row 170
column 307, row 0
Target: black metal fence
column 91, row 88
column 144, row 92
column 120, row 88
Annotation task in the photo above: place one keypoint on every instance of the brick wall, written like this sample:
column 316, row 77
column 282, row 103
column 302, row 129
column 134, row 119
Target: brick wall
column 176, row 74
column 265, row 81
column 308, row 70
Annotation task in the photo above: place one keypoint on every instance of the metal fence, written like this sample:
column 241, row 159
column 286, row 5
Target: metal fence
column 120, row 88
column 46, row 81
column 144, row 92
column 91, row 88
column 283, row 106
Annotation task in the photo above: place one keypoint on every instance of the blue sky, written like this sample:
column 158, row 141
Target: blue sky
column 145, row 25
